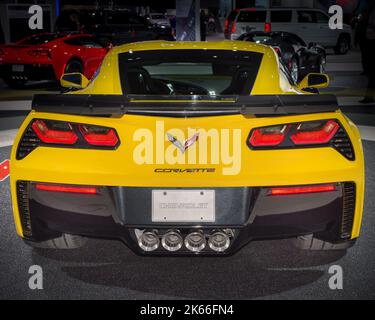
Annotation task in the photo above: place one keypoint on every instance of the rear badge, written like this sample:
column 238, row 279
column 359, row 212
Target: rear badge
column 183, row 146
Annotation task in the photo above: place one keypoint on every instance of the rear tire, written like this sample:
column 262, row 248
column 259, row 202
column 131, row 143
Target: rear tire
column 343, row 45
column 309, row 242
column 66, row 241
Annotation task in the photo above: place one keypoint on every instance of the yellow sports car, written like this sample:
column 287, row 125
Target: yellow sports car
column 193, row 148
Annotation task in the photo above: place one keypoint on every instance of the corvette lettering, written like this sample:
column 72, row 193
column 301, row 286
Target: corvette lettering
column 188, row 170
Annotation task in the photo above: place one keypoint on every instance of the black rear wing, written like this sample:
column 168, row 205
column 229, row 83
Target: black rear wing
column 184, row 106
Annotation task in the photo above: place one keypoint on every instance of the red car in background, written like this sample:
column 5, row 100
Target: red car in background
column 48, row 56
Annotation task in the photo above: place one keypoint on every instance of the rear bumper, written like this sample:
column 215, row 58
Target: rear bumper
column 30, row 72
column 115, row 212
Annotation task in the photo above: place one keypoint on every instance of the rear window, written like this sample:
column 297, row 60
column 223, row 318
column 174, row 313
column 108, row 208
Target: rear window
column 40, row 39
column 281, row 16
column 87, row 42
column 256, row 37
column 252, row 16
column 189, row 72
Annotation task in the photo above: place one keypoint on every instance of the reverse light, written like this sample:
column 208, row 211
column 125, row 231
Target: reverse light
column 278, row 191
column 315, row 132
column 54, row 132
column 99, row 136
column 66, row 188
column 268, row 136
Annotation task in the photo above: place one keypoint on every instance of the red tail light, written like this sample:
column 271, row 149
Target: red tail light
column 267, row 27
column 278, row 191
column 268, row 136
column 42, row 132
column 54, row 132
column 234, row 27
column 226, row 26
column 99, row 136
column 324, row 133
column 2, row 52
column 67, row 189
column 315, row 132
column 39, row 53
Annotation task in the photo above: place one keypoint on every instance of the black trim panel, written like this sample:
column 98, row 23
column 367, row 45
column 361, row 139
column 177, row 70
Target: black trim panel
column 183, row 106
column 115, row 212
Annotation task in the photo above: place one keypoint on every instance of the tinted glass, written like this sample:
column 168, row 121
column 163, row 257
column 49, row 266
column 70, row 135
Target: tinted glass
column 189, row 72
column 281, row 16
column 306, row 16
column 40, row 39
column 252, row 16
column 294, row 39
column 321, row 18
column 254, row 37
column 87, row 42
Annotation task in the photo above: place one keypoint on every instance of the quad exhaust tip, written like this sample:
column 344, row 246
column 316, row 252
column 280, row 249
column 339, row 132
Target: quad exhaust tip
column 219, row 241
column 195, row 241
column 172, row 240
column 149, row 241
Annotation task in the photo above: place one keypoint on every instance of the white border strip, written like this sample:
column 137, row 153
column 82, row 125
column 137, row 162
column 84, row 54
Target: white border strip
column 15, row 105
column 7, row 137
column 367, row 132
column 7, row 160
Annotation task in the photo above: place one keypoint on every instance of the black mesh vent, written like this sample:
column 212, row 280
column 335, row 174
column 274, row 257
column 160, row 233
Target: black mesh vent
column 28, row 143
column 348, row 210
column 342, row 144
column 23, row 207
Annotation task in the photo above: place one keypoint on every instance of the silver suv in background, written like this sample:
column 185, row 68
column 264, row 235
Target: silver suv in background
column 309, row 24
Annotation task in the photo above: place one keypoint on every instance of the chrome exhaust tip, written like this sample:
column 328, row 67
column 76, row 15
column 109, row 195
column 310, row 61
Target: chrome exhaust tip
column 219, row 241
column 149, row 241
column 195, row 241
column 172, row 240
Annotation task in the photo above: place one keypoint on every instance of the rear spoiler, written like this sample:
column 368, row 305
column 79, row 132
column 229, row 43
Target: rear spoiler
column 184, row 106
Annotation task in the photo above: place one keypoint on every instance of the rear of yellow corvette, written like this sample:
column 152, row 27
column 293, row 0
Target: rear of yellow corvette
column 188, row 165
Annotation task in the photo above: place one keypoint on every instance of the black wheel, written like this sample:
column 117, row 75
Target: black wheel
column 343, row 45
column 74, row 65
column 15, row 83
column 294, row 69
column 66, row 241
column 309, row 242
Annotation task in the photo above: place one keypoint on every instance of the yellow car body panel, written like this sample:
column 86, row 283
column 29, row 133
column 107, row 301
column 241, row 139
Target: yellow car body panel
column 299, row 166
